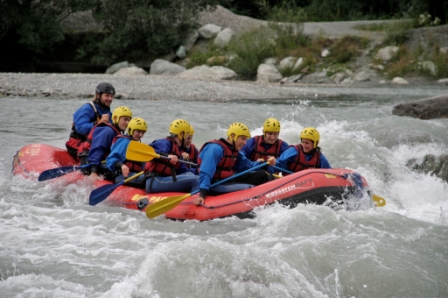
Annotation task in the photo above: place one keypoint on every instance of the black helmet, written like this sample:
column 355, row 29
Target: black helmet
column 105, row 88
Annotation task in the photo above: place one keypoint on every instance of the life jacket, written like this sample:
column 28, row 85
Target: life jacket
column 300, row 163
column 260, row 151
column 76, row 139
column 85, row 146
column 193, row 154
column 163, row 167
column 224, row 168
column 76, row 135
column 132, row 165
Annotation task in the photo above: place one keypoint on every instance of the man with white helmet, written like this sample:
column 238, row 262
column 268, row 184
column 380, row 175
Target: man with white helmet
column 88, row 115
column 220, row 159
column 169, row 174
column 306, row 155
column 259, row 148
column 117, row 162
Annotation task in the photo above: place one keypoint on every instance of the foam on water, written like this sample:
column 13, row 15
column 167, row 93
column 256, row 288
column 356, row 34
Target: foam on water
column 54, row 244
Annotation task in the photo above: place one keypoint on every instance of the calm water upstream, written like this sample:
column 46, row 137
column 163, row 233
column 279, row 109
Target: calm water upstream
column 54, row 245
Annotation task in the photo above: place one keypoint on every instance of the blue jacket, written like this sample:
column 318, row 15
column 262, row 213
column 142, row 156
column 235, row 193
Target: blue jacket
column 250, row 147
column 85, row 116
column 102, row 139
column 165, row 146
column 289, row 156
column 210, row 156
column 118, row 153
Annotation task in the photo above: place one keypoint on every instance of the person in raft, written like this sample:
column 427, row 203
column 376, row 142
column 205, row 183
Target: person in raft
column 259, row 148
column 89, row 114
column 101, row 138
column 190, row 152
column 117, row 162
column 306, row 155
column 220, row 159
column 169, row 175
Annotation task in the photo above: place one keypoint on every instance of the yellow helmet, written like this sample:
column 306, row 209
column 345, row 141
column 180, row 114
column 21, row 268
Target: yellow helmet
column 271, row 125
column 312, row 134
column 119, row 112
column 178, row 126
column 239, row 129
column 137, row 124
column 191, row 130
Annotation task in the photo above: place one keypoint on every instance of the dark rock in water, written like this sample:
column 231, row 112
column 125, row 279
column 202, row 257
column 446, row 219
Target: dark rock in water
column 437, row 166
column 430, row 108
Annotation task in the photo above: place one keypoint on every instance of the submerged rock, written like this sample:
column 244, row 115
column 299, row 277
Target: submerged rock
column 431, row 164
column 430, row 108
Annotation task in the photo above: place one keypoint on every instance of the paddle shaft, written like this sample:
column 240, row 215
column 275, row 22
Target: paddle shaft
column 180, row 160
column 58, row 172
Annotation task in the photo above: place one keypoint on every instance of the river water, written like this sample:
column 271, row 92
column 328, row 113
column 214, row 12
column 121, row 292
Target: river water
column 54, row 245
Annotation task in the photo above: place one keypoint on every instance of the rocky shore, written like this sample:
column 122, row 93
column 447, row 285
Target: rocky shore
column 151, row 87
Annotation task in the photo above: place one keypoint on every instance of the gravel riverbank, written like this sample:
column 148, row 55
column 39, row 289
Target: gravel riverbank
column 151, row 87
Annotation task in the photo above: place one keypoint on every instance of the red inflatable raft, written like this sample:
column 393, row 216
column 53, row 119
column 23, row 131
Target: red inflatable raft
column 337, row 188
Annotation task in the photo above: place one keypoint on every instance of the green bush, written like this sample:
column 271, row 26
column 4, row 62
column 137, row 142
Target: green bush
column 200, row 57
column 397, row 33
column 347, row 48
column 250, row 50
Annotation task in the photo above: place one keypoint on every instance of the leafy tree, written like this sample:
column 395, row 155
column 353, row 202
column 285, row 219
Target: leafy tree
column 138, row 29
column 35, row 24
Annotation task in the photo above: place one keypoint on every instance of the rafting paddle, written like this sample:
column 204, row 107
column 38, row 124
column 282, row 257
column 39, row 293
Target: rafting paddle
column 58, row 172
column 101, row 193
column 165, row 205
column 140, row 152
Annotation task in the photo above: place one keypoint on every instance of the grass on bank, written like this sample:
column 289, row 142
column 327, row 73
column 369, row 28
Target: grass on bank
column 245, row 53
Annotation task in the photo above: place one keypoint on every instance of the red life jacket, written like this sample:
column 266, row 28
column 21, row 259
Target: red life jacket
column 132, row 165
column 163, row 167
column 76, row 139
column 260, row 151
column 193, row 154
column 85, row 146
column 300, row 163
column 224, row 168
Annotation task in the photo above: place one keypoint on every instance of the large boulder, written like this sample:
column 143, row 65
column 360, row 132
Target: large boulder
column 430, row 108
column 209, row 31
column 268, row 73
column 117, row 66
column 387, row 53
column 431, row 164
column 190, row 40
column 224, row 37
column 209, row 73
column 163, row 67
column 132, row 71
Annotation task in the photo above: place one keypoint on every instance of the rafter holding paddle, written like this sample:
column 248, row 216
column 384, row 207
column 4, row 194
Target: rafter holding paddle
column 140, row 152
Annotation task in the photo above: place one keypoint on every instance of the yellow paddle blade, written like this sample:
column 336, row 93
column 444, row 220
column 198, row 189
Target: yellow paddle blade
column 140, row 152
column 163, row 206
column 380, row 202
